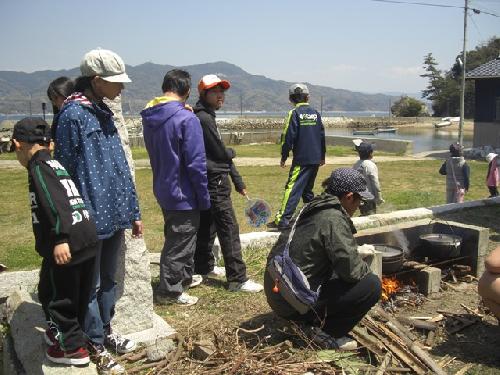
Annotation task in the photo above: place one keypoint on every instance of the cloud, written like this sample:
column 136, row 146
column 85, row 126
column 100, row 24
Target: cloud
column 405, row 71
column 346, row 68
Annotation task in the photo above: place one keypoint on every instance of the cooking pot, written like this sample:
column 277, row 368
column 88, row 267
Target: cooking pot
column 392, row 258
column 440, row 246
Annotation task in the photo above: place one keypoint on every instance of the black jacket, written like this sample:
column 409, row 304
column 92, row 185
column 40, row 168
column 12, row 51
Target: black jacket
column 57, row 210
column 323, row 245
column 219, row 157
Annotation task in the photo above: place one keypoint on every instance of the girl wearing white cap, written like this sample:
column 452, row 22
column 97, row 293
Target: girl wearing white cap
column 89, row 147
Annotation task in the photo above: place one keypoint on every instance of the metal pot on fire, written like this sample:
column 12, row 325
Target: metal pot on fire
column 440, row 246
column 392, row 258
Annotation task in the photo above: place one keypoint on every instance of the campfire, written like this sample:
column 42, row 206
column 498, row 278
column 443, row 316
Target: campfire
column 397, row 294
column 390, row 285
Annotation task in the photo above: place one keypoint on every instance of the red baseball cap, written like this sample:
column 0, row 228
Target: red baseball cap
column 211, row 80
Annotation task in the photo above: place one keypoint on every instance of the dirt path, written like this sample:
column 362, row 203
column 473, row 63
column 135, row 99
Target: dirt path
column 256, row 161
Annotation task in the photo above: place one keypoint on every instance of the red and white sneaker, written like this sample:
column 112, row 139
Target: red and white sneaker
column 77, row 357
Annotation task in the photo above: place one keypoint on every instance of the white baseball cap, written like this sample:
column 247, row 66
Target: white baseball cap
column 298, row 88
column 105, row 64
column 491, row 156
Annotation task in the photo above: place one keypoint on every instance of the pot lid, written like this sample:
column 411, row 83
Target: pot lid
column 389, row 251
column 441, row 239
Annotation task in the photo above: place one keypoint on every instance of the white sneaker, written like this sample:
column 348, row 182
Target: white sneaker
column 216, row 272
column 248, row 286
column 325, row 341
column 196, row 280
column 184, row 299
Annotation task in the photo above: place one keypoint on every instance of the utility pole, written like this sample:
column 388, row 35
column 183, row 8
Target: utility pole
column 31, row 113
column 321, row 107
column 462, row 90
column 241, row 105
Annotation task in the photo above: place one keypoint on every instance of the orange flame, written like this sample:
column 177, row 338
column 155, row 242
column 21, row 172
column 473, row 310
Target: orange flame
column 390, row 285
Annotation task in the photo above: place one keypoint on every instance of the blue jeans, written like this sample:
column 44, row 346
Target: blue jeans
column 102, row 298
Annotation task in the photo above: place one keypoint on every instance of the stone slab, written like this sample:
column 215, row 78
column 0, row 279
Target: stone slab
column 11, row 281
column 27, row 324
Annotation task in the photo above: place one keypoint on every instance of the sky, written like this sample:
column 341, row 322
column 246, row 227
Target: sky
column 358, row 45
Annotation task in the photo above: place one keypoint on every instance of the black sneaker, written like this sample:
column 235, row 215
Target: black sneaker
column 105, row 363
column 118, row 343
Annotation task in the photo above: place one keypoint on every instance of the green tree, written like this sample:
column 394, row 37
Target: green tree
column 443, row 88
column 409, row 107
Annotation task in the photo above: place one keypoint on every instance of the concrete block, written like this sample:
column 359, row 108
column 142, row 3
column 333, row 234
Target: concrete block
column 429, row 280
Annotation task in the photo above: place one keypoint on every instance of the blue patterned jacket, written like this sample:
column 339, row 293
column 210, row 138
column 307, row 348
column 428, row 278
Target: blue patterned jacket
column 87, row 144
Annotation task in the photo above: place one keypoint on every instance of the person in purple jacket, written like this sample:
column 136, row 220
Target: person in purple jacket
column 174, row 141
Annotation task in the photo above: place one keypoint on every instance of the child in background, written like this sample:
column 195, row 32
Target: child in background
column 369, row 170
column 457, row 174
column 492, row 175
column 65, row 236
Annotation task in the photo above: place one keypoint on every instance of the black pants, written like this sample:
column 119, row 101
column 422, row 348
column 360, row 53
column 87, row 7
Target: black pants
column 340, row 307
column 221, row 220
column 493, row 191
column 64, row 292
column 176, row 262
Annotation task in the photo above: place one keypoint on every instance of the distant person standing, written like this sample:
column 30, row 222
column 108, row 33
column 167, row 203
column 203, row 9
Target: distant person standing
column 174, row 141
column 369, row 170
column 220, row 218
column 57, row 92
column 492, row 175
column 457, row 174
column 304, row 135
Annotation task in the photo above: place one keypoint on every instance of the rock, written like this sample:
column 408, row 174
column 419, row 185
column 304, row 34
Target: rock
column 27, row 324
column 159, row 349
column 134, row 308
column 203, row 349
column 19, row 280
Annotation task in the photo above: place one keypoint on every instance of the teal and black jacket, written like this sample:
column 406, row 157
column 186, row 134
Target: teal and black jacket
column 304, row 135
column 57, row 210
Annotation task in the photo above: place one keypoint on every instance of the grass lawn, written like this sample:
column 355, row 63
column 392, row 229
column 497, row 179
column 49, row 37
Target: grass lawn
column 264, row 151
column 405, row 184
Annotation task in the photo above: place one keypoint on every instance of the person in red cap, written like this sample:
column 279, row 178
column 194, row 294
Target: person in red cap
column 220, row 218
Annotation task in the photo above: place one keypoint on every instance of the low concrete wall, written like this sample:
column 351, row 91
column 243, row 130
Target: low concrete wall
column 388, row 145
column 247, row 137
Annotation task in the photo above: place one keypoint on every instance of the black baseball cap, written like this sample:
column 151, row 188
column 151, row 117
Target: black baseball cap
column 348, row 180
column 31, row 130
column 365, row 147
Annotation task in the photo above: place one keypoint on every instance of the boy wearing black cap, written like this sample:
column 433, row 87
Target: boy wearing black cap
column 369, row 170
column 65, row 236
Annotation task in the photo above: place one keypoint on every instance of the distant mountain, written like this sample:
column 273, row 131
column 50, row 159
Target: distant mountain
column 253, row 92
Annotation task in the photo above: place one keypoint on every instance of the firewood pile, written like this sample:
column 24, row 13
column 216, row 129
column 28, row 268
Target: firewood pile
column 397, row 342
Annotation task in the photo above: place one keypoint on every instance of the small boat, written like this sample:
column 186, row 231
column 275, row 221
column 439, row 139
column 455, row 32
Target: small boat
column 442, row 124
column 364, row 132
column 385, row 129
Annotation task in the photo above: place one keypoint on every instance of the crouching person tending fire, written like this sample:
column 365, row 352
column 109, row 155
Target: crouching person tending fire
column 315, row 275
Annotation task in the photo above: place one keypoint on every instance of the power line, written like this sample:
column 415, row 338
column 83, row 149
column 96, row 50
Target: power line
column 475, row 10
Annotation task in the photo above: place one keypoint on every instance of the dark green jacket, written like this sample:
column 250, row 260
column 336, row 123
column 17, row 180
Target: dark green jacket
column 323, row 245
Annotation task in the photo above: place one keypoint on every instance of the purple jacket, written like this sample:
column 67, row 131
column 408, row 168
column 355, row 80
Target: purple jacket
column 174, row 141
